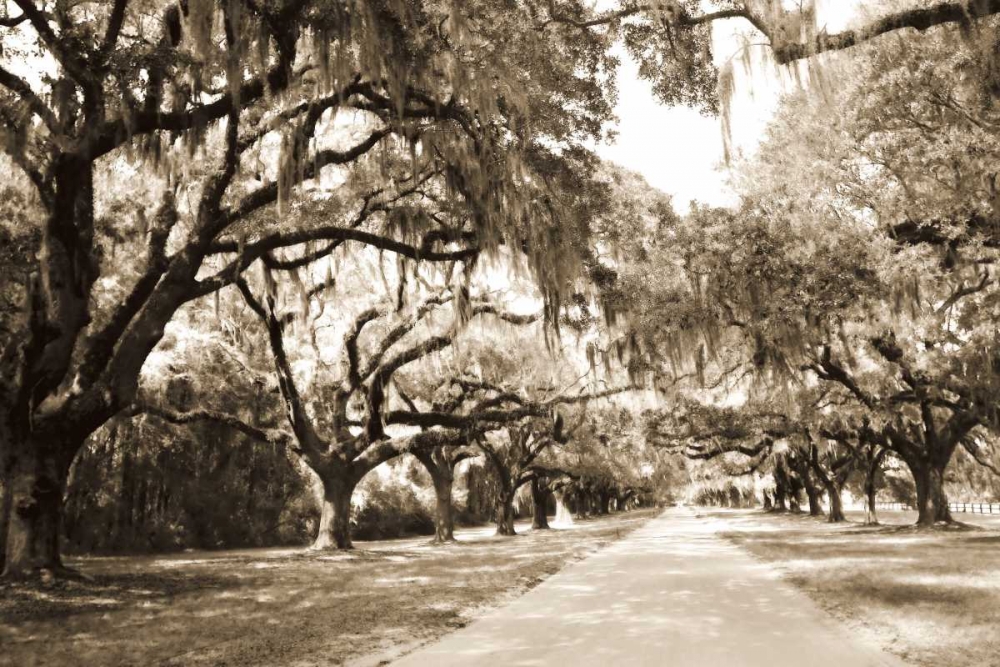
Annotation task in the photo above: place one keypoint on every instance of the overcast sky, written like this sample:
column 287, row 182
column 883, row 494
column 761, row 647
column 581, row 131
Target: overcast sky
column 680, row 151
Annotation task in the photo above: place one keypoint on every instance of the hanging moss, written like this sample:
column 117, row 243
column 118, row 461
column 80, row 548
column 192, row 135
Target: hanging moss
column 201, row 23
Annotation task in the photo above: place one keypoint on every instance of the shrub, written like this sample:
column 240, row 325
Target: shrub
column 389, row 509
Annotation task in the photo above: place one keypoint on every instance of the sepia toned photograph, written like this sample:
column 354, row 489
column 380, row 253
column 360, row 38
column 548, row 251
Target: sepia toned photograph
column 500, row 333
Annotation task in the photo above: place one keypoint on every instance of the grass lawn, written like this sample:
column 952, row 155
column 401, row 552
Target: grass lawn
column 283, row 606
column 931, row 597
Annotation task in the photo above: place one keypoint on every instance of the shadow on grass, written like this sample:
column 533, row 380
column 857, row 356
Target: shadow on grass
column 30, row 602
column 930, row 595
column 281, row 606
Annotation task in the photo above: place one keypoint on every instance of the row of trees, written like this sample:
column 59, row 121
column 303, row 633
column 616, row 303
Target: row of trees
column 438, row 132
column 339, row 426
column 435, row 164
column 860, row 295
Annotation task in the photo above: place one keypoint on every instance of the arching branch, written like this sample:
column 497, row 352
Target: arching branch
column 13, row 21
column 828, row 370
column 398, row 332
column 278, row 240
column 275, row 436
column 920, row 18
column 528, row 409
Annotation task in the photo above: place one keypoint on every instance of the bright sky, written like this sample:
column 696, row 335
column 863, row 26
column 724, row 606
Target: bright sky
column 677, row 149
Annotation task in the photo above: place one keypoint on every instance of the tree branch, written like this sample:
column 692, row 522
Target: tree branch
column 74, row 63
column 20, row 87
column 458, row 421
column 271, row 436
column 786, row 53
column 13, row 21
column 115, row 21
column 298, row 417
column 919, row 19
column 964, row 291
column 100, row 346
column 826, row 369
column 973, row 449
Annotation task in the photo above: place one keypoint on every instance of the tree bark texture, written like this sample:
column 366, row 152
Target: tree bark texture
column 335, row 516
column 34, row 485
column 932, row 502
column 444, row 515
column 505, row 513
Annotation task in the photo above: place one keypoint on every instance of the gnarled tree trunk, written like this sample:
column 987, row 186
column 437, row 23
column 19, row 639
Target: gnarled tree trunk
column 875, row 457
column 780, row 500
column 833, row 491
column 36, row 482
column 335, row 516
column 794, row 494
column 444, row 515
column 442, row 473
column 932, row 503
column 505, row 512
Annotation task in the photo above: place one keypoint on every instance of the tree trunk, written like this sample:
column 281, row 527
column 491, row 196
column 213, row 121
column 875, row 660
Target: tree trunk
column 767, row 501
column 564, row 516
column 123, row 512
column 780, row 488
column 36, row 482
column 539, row 500
column 874, row 465
column 444, row 516
column 335, row 518
column 442, row 473
column 932, row 503
column 836, row 503
column 794, row 494
column 812, row 494
column 871, row 518
column 780, row 500
column 604, row 500
column 505, row 513
column 793, row 503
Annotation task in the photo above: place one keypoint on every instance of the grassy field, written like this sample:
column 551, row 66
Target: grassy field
column 930, row 597
column 283, row 606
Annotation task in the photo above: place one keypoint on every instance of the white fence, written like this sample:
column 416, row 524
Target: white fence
column 975, row 508
column 968, row 508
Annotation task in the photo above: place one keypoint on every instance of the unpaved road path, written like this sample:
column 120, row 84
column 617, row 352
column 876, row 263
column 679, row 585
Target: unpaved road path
column 671, row 594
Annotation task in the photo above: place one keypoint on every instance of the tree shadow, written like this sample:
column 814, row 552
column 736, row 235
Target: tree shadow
column 26, row 602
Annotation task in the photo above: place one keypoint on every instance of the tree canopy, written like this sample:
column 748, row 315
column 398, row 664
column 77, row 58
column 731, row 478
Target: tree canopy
column 331, row 196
